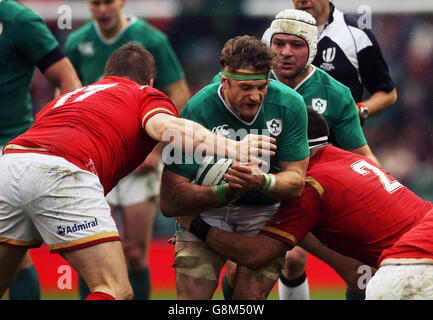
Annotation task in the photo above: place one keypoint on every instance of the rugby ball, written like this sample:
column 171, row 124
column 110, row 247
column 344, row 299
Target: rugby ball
column 210, row 173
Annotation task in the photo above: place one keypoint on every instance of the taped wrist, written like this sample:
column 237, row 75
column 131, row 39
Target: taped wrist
column 270, row 183
column 199, row 228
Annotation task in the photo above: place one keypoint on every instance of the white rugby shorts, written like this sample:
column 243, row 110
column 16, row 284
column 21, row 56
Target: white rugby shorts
column 246, row 220
column 401, row 282
column 45, row 198
column 136, row 188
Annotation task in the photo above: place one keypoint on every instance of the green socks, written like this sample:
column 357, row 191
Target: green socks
column 140, row 282
column 350, row 295
column 26, row 285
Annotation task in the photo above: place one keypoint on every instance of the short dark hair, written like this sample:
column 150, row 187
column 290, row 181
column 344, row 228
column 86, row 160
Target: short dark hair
column 131, row 61
column 247, row 51
column 317, row 125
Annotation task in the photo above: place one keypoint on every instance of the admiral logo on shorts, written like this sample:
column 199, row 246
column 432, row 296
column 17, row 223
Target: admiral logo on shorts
column 62, row 231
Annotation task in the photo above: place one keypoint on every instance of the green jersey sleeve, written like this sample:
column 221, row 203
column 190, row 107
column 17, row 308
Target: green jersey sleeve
column 293, row 144
column 347, row 128
column 33, row 38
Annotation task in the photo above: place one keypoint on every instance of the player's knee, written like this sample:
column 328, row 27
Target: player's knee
column 295, row 261
column 135, row 254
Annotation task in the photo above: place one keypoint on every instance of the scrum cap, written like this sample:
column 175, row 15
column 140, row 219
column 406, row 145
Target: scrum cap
column 298, row 23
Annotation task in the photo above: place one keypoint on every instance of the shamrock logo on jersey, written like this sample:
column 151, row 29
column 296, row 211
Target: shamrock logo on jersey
column 275, row 126
column 319, row 105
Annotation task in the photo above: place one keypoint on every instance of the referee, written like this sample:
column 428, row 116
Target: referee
column 351, row 55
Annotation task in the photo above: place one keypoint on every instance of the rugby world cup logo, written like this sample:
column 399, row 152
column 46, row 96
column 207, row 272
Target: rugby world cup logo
column 328, row 55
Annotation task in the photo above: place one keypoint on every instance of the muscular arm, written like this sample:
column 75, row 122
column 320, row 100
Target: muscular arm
column 379, row 101
column 289, row 181
column 62, row 74
column 188, row 135
column 179, row 197
column 247, row 251
column 179, row 93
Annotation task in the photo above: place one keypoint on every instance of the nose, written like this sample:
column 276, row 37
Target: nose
column 254, row 95
column 287, row 50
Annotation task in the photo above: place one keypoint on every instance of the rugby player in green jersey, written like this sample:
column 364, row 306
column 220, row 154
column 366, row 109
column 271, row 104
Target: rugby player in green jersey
column 136, row 195
column 293, row 36
column 294, row 40
column 244, row 100
column 26, row 43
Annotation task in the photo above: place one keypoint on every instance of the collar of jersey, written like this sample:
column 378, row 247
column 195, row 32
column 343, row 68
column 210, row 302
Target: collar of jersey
column 302, row 82
column 227, row 107
column 131, row 20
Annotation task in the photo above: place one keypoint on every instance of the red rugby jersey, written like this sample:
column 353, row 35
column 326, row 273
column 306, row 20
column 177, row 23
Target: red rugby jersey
column 99, row 127
column 416, row 243
column 350, row 204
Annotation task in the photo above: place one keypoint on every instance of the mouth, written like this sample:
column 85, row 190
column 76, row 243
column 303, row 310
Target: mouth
column 286, row 65
column 104, row 21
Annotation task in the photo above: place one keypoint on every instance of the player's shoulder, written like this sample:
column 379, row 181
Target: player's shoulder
column 17, row 11
column 321, row 79
column 280, row 94
column 208, row 96
column 145, row 32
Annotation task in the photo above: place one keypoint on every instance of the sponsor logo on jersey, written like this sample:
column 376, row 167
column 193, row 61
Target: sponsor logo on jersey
column 275, row 126
column 328, row 55
column 222, row 130
column 86, row 48
column 319, row 105
column 62, row 231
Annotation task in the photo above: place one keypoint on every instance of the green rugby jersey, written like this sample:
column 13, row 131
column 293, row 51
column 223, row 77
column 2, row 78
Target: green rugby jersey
column 88, row 50
column 334, row 101
column 282, row 115
column 24, row 41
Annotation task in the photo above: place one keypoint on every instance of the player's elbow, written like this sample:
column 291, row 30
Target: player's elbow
column 169, row 209
column 393, row 96
column 256, row 259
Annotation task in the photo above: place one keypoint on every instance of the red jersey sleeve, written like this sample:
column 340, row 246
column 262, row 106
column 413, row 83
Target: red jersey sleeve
column 294, row 219
column 153, row 102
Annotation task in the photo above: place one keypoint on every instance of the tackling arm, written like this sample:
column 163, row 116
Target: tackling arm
column 250, row 252
column 179, row 197
column 187, row 135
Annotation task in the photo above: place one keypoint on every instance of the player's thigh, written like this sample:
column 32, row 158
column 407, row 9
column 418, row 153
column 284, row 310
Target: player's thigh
column 401, row 282
column 138, row 221
column 102, row 266
column 257, row 284
column 197, row 270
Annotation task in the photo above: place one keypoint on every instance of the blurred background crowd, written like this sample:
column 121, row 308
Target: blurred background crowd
column 401, row 137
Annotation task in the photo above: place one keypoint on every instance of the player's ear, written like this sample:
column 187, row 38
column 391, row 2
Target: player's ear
column 151, row 82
